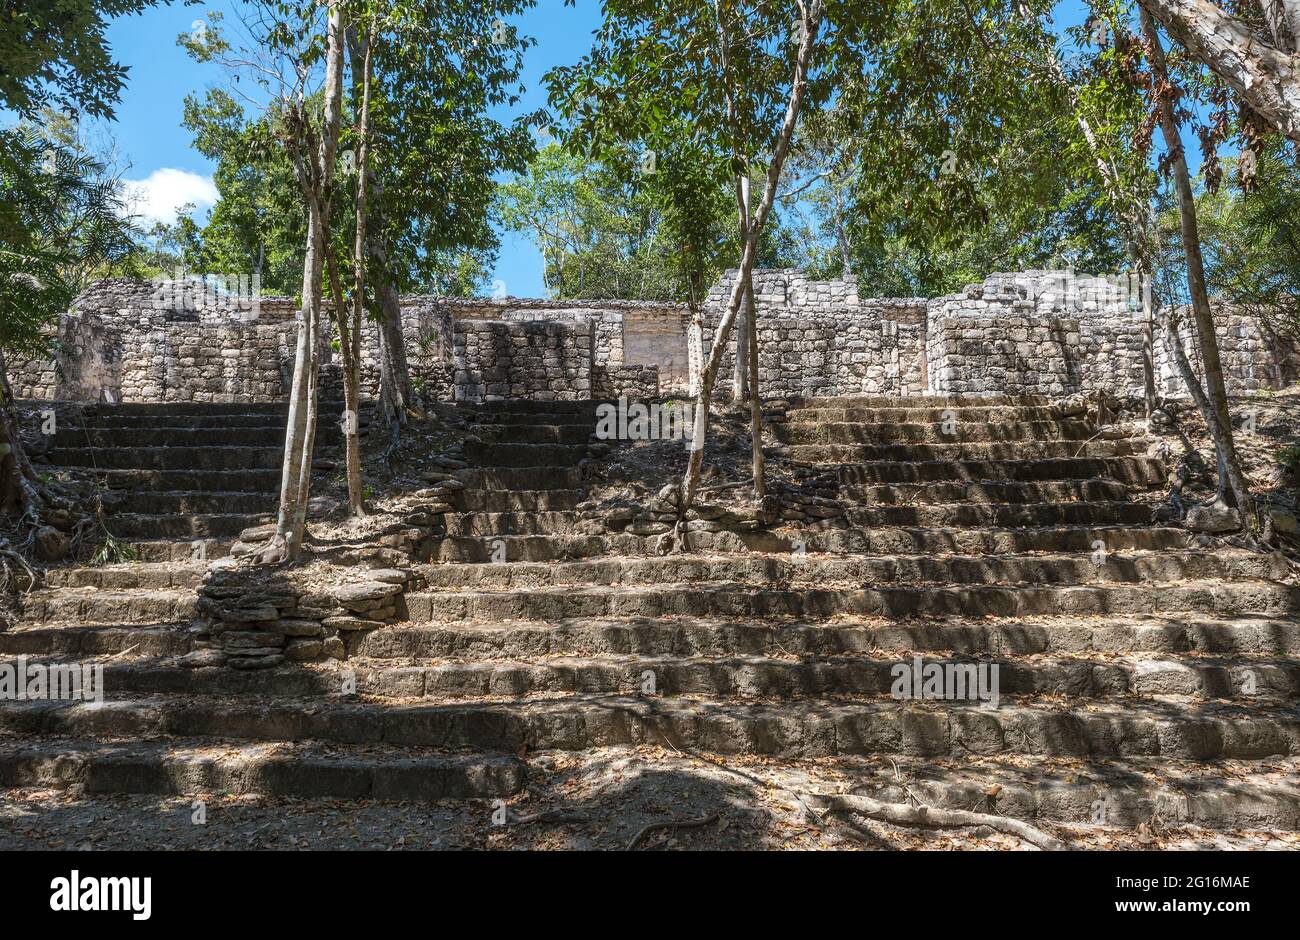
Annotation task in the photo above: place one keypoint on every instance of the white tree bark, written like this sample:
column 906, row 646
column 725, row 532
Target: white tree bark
column 812, row 20
column 1265, row 76
column 316, row 172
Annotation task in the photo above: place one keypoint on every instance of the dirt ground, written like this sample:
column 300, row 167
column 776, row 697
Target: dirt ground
column 601, row 799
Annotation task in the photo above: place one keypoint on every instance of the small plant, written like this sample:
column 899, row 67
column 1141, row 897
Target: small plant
column 114, row 552
column 1289, row 457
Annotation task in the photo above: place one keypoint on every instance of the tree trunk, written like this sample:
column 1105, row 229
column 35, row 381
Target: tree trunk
column 1148, row 343
column 755, row 400
column 316, row 171
column 695, row 337
column 395, row 396
column 841, row 236
column 1203, row 316
column 287, row 541
column 351, row 394
column 1264, row 76
column 1222, row 442
column 691, row 479
column 12, row 460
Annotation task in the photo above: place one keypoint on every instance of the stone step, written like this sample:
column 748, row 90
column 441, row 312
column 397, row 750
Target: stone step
column 486, row 640
column 1143, row 472
column 559, row 477
column 524, row 455
column 197, row 767
column 468, row 500
column 927, row 415
column 997, row 450
column 867, row 675
column 168, row 458
column 142, row 575
column 534, row 433
column 81, row 640
column 92, row 605
column 802, row 728
column 193, row 422
column 996, row 515
column 530, row 406
column 920, row 401
column 182, row 550
column 1234, row 795
column 191, row 526
column 937, row 433
column 1244, row 681
column 951, row 516
column 586, row 419
column 880, row 541
column 266, row 481
column 729, row 599
column 200, row 408
column 862, row 570
column 490, row 524
column 213, row 502
column 166, row 436
column 979, row 491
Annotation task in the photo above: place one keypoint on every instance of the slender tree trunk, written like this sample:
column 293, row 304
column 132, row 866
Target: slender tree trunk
column 1203, row 316
column 1148, row 342
column 315, row 167
column 691, row 479
column 351, row 393
column 740, row 370
column 841, row 236
column 287, row 543
column 1237, row 483
column 12, row 459
column 755, row 399
column 695, row 337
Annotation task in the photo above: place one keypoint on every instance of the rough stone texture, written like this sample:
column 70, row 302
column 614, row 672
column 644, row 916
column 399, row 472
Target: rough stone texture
column 1036, row 332
column 548, row 361
column 819, row 338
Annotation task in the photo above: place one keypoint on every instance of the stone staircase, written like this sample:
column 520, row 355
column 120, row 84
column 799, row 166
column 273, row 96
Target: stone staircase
column 1136, row 673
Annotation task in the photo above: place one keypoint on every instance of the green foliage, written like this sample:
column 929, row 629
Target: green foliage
column 257, row 225
column 55, row 54
column 60, row 223
column 1252, row 241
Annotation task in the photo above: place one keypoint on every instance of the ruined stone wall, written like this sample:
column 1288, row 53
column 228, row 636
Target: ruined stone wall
column 547, row 361
column 1036, row 332
column 820, row 338
column 1253, row 357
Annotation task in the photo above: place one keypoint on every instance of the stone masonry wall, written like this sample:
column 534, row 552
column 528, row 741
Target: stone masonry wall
column 547, row 361
column 1036, row 332
column 820, row 338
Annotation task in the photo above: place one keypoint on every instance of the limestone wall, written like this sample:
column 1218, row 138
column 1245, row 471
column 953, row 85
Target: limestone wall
column 1035, row 332
column 547, row 361
column 820, row 338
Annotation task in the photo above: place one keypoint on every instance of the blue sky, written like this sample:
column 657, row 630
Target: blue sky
column 169, row 172
column 166, row 172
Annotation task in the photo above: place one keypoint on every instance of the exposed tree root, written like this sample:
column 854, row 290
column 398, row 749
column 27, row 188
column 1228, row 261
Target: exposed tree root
column 673, row 824
column 930, row 817
column 273, row 553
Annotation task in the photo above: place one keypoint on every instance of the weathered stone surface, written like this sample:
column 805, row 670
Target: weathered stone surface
column 1212, row 518
column 50, row 544
column 351, row 623
column 292, row 626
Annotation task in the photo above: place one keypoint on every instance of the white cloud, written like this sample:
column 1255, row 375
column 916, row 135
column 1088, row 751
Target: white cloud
column 158, row 197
